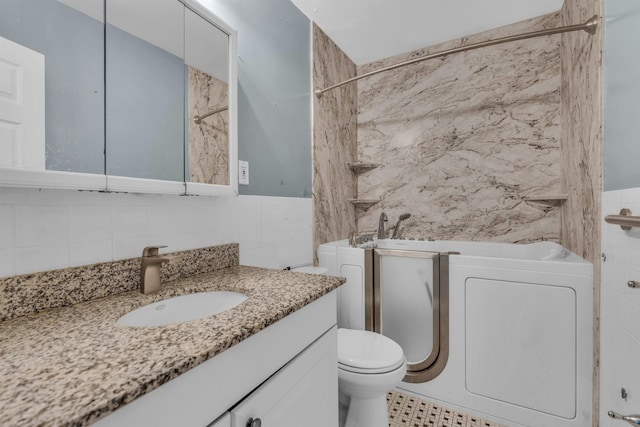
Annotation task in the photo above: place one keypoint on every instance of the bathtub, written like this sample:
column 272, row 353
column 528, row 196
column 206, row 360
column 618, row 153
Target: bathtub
column 504, row 330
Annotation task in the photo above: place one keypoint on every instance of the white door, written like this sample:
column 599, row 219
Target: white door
column 21, row 107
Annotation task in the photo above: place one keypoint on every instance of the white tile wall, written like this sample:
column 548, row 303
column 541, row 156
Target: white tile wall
column 50, row 229
column 620, row 311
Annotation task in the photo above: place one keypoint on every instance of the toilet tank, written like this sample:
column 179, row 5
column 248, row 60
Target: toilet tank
column 344, row 261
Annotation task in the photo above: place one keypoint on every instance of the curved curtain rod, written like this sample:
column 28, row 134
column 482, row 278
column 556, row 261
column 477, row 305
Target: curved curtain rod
column 589, row 26
column 197, row 119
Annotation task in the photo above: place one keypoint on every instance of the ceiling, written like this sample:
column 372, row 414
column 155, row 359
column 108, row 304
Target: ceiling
column 370, row 30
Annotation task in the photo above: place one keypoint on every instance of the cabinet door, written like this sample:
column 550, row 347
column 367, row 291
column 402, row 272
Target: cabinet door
column 303, row 393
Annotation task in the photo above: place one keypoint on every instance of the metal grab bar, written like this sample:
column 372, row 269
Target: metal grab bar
column 634, row 420
column 624, row 219
column 197, row 119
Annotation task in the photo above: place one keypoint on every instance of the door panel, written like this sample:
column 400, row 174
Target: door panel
column 21, row 107
column 303, row 393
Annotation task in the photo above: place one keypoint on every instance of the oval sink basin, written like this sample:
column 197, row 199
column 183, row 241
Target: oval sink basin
column 182, row 309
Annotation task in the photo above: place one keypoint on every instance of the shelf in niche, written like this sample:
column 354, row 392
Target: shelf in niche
column 363, row 203
column 549, row 198
column 360, row 167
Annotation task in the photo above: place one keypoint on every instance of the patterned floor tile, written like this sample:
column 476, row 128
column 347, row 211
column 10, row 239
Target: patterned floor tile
column 409, row 411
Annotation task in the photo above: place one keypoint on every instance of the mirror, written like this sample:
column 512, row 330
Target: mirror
column 211, row 155
column 164, row 124
column 52, row 86
column 207, row 68
column 167, row 93
column 145, row 84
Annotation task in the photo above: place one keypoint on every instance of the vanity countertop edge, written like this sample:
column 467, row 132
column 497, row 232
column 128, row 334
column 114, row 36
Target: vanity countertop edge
column 72, row 365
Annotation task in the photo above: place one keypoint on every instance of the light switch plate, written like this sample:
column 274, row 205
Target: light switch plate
column 243, row 172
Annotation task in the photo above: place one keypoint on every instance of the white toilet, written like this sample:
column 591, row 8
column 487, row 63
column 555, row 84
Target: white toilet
column 369, row 365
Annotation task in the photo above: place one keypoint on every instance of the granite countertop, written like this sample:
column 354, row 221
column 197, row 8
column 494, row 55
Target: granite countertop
column 72, row 365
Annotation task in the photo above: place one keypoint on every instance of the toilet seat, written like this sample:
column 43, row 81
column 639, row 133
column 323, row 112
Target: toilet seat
column 367, row 352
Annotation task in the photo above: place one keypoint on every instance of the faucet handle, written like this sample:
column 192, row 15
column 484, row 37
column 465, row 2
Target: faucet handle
column 152, row 250
column 171, row 259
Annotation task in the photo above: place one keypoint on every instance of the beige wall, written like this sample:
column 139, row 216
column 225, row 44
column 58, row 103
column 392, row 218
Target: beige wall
column 334, row 143
column 581, row 68
column 463, row 140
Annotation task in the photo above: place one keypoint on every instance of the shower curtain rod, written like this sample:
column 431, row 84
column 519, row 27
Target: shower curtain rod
column 589, row 26
column 198, row 119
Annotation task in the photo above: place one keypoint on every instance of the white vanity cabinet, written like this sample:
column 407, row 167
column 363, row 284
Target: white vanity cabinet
column 303, row 393
column 285, row 375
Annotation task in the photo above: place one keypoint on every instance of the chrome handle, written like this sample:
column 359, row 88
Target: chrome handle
column 254, row 423
column 633, row 284
column 634, row 420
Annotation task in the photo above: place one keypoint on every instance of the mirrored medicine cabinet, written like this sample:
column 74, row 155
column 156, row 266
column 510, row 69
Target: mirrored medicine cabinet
column 117, row 95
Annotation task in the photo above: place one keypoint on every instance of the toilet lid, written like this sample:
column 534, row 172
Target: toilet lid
column 368, row 352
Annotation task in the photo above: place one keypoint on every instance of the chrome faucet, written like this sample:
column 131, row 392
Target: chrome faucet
column 150, row 268
column 381, row 221
column 353, row 239
column 396, row 230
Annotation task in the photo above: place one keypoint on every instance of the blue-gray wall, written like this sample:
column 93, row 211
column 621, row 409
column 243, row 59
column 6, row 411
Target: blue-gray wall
column 74, row 86
column 145, row 108
column 621, row 146
column 274, row 85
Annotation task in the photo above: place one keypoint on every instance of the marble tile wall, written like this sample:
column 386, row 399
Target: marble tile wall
column 334, row 143
column 462, row 140
column 581, row 108
column 208, row 140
